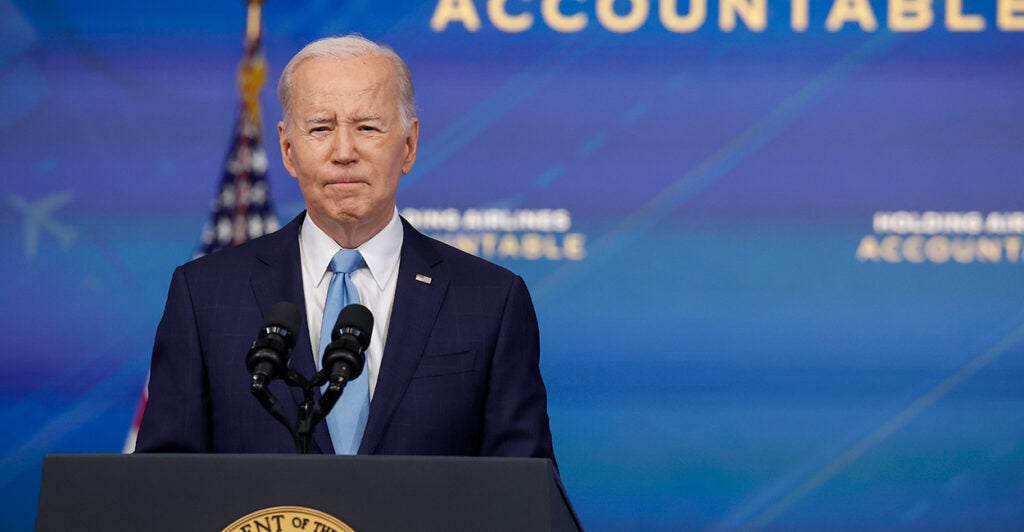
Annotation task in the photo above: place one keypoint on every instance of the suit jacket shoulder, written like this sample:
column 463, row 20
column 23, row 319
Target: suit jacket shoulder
column 199, row 399
column 454, row 258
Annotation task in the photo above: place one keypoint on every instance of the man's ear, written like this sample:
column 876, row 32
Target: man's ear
column 411, row 140
column 286, row 149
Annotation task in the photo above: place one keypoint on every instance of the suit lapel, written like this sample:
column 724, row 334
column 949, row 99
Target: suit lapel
column 279, row 278
column 413, row 314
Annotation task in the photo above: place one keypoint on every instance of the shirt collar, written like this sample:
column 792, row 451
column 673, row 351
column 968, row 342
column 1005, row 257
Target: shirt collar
column 380, row 253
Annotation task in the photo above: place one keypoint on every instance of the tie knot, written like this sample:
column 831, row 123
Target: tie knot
column 346, row 261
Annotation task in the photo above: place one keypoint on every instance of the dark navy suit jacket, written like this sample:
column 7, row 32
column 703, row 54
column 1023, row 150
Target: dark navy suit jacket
column 459, row 375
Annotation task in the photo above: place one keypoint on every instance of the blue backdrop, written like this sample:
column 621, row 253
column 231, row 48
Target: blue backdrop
column 775, row 247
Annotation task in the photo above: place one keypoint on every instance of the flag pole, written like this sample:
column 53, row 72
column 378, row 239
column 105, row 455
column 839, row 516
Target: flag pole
column 252, row 69
column 253, row 31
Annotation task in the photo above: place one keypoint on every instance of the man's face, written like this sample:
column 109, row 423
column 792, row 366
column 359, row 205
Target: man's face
column 344, row 142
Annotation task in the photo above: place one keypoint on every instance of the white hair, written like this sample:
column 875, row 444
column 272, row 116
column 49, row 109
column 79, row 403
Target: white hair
column 351, row 46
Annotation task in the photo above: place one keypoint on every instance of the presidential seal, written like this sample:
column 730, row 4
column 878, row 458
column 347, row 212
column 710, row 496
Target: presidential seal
column 288, row 519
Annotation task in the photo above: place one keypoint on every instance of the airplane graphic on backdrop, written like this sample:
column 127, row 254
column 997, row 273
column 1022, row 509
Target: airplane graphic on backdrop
column 38, row 216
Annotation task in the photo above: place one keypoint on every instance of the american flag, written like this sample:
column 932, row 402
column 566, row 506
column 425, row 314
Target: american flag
column 241, row 209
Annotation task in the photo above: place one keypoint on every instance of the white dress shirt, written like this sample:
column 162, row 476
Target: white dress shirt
column 375, row 283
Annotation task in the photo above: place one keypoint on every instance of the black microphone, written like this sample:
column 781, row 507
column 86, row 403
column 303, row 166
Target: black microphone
column 343, row 357
column 268, row 356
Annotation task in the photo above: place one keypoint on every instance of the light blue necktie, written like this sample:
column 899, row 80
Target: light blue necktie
column 347, row 420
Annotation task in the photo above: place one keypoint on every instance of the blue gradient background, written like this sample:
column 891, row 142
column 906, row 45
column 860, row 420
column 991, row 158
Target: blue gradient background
column 720, row 359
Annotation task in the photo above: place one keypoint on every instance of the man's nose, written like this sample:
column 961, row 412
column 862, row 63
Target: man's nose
column 343, row 150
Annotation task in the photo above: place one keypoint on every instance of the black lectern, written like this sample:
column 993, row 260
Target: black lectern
column 177, row 492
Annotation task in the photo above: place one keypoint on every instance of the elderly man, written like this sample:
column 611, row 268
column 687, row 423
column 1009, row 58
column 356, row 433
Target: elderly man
column 452, row 367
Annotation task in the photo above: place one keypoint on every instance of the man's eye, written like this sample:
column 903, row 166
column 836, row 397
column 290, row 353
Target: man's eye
column 319, row 129
column 371, row 129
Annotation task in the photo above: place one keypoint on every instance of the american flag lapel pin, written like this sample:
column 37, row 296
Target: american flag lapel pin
column 423, row 278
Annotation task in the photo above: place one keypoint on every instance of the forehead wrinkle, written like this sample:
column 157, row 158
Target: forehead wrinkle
column 367, row 103
column 320, row 119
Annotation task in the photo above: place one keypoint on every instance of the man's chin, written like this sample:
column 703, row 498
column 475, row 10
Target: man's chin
column 352, row 218
column 345, row 218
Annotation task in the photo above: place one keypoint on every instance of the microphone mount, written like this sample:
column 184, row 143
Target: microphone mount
column 343, row 361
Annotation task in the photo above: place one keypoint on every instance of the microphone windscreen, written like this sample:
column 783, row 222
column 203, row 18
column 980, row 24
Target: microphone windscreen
column 284, row 315
column 355, row 317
